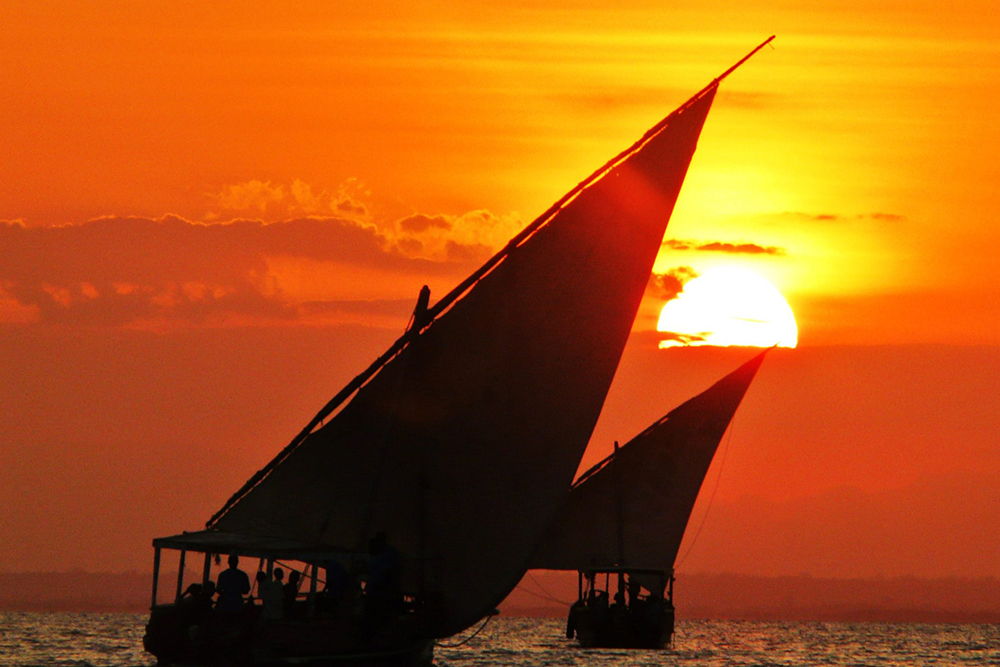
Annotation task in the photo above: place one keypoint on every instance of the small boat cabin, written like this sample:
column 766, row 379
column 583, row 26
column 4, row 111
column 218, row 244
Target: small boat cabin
column 639, row 615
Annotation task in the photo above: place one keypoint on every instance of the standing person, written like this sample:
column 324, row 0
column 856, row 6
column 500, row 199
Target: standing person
column 382, row 591
column 272, row 595
column 289, row 594
column 336, row 585
column 233, row 584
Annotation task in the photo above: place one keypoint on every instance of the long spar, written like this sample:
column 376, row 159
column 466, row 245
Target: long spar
column 447, row 300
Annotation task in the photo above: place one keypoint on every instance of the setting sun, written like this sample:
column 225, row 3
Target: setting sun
column 728, row 306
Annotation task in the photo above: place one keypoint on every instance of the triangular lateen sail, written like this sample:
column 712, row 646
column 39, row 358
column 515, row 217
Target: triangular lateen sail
column 462, row 447
column 643, row 496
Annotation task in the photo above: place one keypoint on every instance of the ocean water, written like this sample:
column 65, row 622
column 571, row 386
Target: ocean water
column 115, row 640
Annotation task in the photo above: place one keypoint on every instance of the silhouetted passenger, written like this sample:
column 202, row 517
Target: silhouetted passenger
column 191, row 593
column 232, row 586
column 633, row 591
column 598, row 600
column 336, row 582
column 272, row 595
column 197, row 600
column 382, row 591
column 290, row 591
column 619, row 618
column 209, row 590
column 261, row 581
column 575, row 611
column 353, row 600
column 598, row 603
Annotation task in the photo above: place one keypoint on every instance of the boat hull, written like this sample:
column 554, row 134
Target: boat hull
column 176, row 637
column 641, row 627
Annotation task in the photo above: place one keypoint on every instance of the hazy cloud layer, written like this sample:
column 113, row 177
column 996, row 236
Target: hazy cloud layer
column 835, row 217
column 722, row 246
column 279, row 201
column 251, row 195
column 294, row 252
column 750, row 100
column 136, row 270
column 472, row 236
column 421, row 223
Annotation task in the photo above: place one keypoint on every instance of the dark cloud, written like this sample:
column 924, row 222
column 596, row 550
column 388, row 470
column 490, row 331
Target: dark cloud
column 888, row 217
column 671, row 338
column 668, row 285
column 282, row 201
column 126, row 270
column 347, row 206
column 471, row 237
column 415, row 224
column 172, row 248
column 410, row 246
column 114, row 304
column 721, row 246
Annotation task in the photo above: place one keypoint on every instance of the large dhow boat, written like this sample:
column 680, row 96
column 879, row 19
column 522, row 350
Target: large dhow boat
column 622, row 523
column 412, row 503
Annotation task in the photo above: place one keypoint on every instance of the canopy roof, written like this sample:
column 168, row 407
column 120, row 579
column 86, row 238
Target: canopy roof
column 255, row 546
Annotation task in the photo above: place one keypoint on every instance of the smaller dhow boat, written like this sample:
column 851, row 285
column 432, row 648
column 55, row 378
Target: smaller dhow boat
column 623, row 521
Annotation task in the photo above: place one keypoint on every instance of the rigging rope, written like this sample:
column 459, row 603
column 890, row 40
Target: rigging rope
column 303, row 573
column 544, row 590
column 711, row 500
column 544, row 595
column 467, row 639
column 537, row 595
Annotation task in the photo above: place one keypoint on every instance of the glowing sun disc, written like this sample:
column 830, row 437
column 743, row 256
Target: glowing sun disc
column 729, row 306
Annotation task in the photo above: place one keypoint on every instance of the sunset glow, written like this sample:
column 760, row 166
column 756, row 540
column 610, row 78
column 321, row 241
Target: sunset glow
column 729, row 306
column 215, row 215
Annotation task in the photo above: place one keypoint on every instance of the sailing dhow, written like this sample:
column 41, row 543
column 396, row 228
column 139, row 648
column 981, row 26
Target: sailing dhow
column 627, row 514
column 455, row 449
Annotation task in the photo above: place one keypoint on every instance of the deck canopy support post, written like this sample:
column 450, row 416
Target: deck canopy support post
column 206, row 573
column 180, row 576
column 312, row 589
column 156, row 573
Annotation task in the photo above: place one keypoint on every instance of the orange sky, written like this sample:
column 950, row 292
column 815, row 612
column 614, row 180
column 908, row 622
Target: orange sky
column 211, row 217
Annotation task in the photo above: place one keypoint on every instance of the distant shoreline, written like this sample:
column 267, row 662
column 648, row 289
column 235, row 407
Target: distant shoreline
column 697, row 596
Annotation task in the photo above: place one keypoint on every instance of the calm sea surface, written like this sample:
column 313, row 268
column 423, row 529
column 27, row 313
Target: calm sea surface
column 115, row 640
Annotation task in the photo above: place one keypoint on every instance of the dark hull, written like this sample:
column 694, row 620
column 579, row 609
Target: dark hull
column 175, row 637
column 650, row 627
